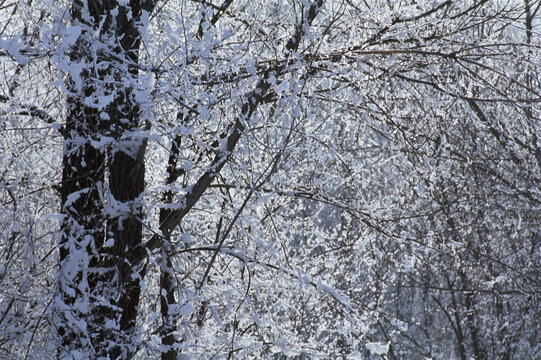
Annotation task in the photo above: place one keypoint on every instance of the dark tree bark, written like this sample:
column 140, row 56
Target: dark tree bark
column 167, row 277
column 107, row 50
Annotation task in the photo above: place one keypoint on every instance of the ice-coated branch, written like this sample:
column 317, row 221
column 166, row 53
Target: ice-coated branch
column 253, row 100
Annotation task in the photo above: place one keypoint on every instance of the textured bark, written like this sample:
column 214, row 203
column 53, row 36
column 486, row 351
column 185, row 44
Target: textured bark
column 111, row 283
column 82, row 177
column 167, row 279
column 167, row 298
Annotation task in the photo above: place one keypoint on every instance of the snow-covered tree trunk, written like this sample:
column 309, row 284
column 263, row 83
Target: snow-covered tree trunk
column 103, row 180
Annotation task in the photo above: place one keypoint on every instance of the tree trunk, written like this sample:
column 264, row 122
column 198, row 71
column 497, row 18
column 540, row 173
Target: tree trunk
column 99, row 287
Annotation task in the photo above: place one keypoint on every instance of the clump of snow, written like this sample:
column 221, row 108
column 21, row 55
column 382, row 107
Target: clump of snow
column 377, row 348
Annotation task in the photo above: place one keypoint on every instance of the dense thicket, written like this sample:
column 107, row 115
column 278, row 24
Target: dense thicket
column 287, row 179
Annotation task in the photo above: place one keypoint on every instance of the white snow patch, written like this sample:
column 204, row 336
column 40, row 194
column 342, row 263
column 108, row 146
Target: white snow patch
column 187, row 238
column 377, row 348
column 186, row 309
column 13, row 48
column 109, row 242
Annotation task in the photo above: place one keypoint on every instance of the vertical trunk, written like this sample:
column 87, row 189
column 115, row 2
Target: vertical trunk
column 83, row 227
column 478, row 352
column 459, row 333
column 167, row 298
column 124, row 229
column 99, row 288
column 167, row 277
